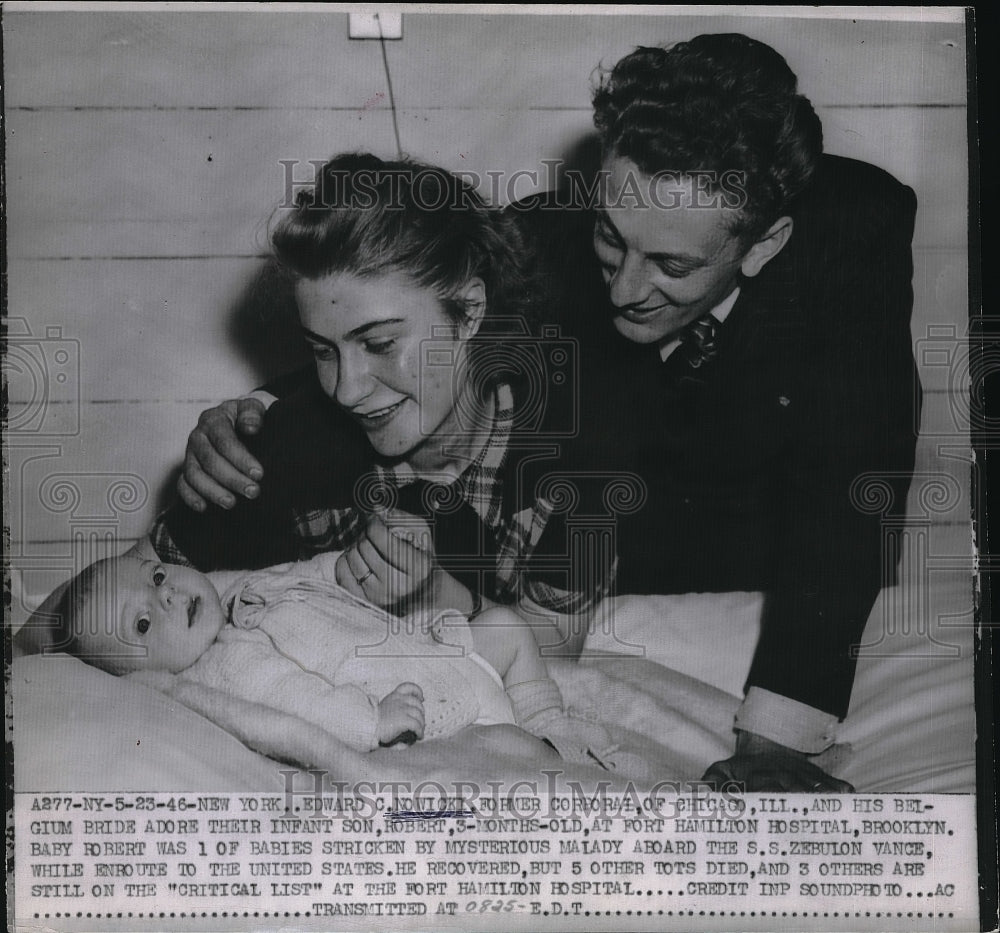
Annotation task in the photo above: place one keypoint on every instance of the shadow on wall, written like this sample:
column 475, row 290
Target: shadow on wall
column 262, row 325
column 582, row 160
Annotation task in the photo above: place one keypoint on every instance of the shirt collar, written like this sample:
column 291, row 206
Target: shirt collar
column 720, row 312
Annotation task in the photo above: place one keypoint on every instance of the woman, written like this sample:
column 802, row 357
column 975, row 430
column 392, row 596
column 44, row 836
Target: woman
column 424, row 407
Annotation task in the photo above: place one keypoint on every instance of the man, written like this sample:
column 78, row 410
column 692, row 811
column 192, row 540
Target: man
column 742, row 304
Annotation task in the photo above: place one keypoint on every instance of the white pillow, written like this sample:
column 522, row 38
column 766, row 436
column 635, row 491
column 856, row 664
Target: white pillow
column 79, row 729
column 708, row 636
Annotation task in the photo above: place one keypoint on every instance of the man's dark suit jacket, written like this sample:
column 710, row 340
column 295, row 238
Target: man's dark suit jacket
column 768, row 473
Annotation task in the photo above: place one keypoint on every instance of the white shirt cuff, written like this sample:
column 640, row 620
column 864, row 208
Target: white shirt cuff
column 265, row 398
column 786, row 721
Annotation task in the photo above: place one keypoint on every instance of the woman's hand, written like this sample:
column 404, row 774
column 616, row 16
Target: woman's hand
column 392, row 561
column 217, row 465
column 401, row 714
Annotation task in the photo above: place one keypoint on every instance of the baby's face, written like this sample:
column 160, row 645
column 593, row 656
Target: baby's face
column 165, row 615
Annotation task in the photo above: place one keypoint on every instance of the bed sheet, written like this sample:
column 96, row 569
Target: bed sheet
column 911, row 725
column 81, row 729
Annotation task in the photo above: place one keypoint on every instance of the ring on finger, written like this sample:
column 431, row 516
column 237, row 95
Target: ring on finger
column 360, row 568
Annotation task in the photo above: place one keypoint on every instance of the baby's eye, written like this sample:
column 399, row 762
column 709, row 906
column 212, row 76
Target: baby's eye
column 142, row 625
column 159, row 576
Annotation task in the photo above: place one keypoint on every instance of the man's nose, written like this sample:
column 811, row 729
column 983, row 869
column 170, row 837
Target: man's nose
column 629, row 285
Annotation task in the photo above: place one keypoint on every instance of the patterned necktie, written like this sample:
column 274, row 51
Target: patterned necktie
column 463, row 545
column 698, row 346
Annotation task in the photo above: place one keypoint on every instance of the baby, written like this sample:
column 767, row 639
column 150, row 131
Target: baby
column 291, row 638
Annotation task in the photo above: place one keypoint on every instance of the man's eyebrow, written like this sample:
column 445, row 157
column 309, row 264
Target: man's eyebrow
column 357, row 332
column 683, row 259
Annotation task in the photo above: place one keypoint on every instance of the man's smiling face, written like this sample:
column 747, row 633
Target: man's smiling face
column 666, row 259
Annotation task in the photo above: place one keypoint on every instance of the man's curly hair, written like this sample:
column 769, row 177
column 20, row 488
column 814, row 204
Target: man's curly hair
column 718, row 103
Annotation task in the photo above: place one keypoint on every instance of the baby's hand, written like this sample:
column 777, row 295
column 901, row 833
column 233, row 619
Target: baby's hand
column 401, row 715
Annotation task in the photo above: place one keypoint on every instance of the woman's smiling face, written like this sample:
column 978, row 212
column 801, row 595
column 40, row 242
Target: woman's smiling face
column 387, row 352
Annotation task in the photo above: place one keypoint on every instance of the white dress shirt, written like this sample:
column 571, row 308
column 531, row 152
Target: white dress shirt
column 720, row 312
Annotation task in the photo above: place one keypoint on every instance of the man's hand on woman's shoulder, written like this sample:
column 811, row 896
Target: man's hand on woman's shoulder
column 217, row 465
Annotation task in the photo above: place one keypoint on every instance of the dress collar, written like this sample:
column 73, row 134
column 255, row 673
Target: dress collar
column 480, row 482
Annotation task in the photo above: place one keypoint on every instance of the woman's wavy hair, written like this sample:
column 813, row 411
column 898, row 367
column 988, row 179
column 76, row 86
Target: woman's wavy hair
column 718, row 103
column 366, row 216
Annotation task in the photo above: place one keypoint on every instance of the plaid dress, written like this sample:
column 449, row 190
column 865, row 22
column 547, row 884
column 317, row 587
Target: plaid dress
column 301, row 527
